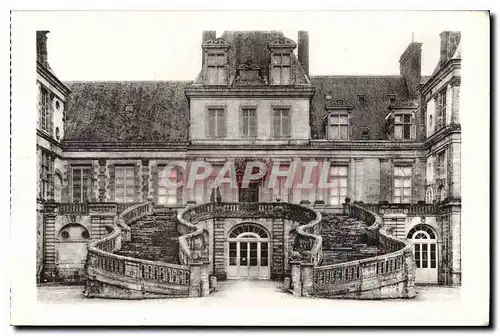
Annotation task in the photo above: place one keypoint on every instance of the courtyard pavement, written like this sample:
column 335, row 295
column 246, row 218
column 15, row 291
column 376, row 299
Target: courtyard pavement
column 239, row 293
column 245, row 302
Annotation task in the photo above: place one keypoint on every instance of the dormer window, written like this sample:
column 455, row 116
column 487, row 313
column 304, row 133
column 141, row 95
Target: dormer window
column 215, row 62
column 402, row 126
column 216, row 68
column 281, row 68
column 401, row 121
column 129, row 108
column 338, row 126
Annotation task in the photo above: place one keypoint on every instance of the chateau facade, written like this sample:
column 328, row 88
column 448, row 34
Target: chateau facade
column 389, row 143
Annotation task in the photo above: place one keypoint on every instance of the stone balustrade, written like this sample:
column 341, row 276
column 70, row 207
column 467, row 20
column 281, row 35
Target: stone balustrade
column 391, row 275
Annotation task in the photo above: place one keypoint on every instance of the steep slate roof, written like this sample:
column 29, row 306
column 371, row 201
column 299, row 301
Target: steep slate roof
column 95, row 111
column 369, row 114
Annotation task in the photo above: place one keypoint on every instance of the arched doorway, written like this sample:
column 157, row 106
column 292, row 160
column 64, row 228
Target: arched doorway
column 424, row 242
column 249, row 252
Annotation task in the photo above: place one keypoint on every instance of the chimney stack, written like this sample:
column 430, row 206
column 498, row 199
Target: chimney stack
column 410, row 67
column 303, row 50
column 41, row 47
column 208, row 35
column 449, row 43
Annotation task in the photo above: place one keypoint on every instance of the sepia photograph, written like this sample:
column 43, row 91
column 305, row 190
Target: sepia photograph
column 233, row 163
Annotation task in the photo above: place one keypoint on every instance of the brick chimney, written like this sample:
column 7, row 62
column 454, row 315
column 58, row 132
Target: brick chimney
column 208, row 35
column 449, row 43
column 303, row 50
column 410, row 67
column 41, row 47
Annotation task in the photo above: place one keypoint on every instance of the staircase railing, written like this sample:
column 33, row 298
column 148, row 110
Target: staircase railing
column 194, row 241
column 393, row 270
column 131, row 274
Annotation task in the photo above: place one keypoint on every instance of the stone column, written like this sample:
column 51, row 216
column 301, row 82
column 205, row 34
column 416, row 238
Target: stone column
column 456, row 244
column 204, row 280
column 306, row 270
column 296, row 278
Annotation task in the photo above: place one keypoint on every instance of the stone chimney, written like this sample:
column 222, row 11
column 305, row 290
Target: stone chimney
column 410, row 67
column 449, row 43
column 303, row 50
column 41, row 47
column 208, row 35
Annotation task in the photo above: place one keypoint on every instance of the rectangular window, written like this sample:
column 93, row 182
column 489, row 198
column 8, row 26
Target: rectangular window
column 281, row 69
column 248, row 123
column 125, row 184
column 338, row 177
column 216, row 123
column 402, row 184
column 441, row 109
column 44, row 106
column 339, row 127
column 281, row 122
column 216, row 66
column 402, row 127
column 169, row 195
column 81, row 184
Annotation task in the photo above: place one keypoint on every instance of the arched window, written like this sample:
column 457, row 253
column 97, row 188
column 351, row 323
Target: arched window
column 73, row 231
column 421, row 231
column 248, row 230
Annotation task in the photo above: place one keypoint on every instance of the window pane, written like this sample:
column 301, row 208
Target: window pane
column 276, row 75
column 276, row 59
column 335, row 132
column 407, row 118
column 343, row 133
column 398, row 132
column 221, row 75
column 285, row 75
column 286, row 59
column 406, row 183
column 406, row 131
column 343, row 119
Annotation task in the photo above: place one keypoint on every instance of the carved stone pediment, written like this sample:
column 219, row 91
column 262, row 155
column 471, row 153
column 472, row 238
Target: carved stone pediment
column 283, row 42
column 338, row 104
column 248, row 73
column 216, row 43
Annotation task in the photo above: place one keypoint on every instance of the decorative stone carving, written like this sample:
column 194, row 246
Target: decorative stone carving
column 248, row 73
column 338, row 104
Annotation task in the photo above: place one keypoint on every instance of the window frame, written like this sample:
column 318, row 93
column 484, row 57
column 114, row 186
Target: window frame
column 402, row 187
column 402, row 124
column 339, row 125
column 281, row 109
column 249, row 127
column 340, row 197
column 45, row 108
column 125, row 186
column 216, row 66
column 281, row 65
column 441, row 104
column 170, row 192
column 84, row 197
column 215, row 134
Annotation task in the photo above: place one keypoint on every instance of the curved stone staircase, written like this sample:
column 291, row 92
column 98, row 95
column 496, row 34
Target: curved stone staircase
column 155, row 252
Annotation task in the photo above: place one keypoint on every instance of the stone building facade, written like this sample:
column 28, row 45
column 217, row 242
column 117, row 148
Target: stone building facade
column 389, row 142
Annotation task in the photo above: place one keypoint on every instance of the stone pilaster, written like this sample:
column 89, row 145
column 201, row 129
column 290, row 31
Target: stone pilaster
column 455, row 102
column 101, row 181
column 138, row 181
column 418, row 180
column 94, row 181
column 49, row 268
column 359, row 179
column 278, row 249
column 386, row 180
column 195, row 279
column 219, row 250
column 144, row 177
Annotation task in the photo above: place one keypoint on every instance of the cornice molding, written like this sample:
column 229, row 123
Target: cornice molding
column 52, row 79
column 447, row 68
column 270, row 91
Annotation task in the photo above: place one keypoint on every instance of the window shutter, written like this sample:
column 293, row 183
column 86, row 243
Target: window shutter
column 286, row 123
column 221, row 121
column 253, row 124
column 211, row 123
